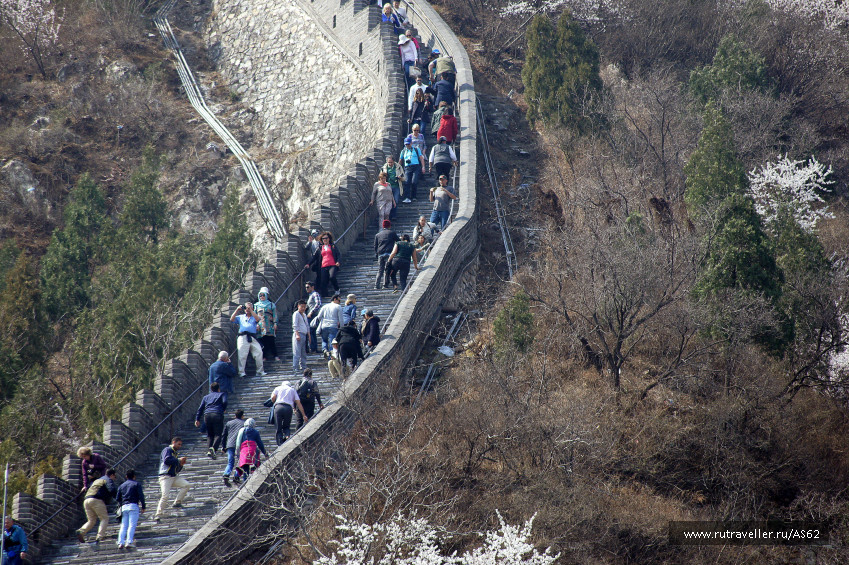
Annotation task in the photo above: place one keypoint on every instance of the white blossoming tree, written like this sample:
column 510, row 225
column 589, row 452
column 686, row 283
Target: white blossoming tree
column 36, row 24
column 795, row 186
column 414, row 541
column 583, row 10
column 833, row 13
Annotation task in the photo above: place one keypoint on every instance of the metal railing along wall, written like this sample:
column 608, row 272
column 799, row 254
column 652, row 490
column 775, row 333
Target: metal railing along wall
column 509, row 251
column 269, row 212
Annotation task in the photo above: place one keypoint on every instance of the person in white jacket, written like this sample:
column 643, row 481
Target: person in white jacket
column 329, row 320
column 300, row 337
column 409, row 55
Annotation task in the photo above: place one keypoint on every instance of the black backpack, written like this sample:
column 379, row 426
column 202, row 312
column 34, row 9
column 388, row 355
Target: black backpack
column 305, row 390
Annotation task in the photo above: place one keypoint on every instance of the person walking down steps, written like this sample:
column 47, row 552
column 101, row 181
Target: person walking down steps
column 300, row 337
column 170, row 465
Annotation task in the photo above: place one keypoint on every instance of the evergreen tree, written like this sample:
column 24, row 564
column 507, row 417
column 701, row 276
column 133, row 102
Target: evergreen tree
column 561, row 73
column 514, row 325
column 76, row 249
column 24, row 328
column 740, row 255
column 713, row 172
column 735, row 66
column 231, row 244
column 144, row 214
column 8, row 255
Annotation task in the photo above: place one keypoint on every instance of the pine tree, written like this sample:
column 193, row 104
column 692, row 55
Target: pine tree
column 76, row 249
column 734, row 67
column 514, row 325
column 145, row 210
column 561, row 73
column 713, row 172
column 24, row 328
column 741, row 256
column 231, row 244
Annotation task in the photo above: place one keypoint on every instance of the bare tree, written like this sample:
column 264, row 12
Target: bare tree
column 611, row 280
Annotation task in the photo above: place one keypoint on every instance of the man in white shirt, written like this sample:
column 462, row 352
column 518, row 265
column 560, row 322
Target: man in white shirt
column 285, row 398
column 329, row 321
column 401, row 11
column 313, row 308
column 300, row 337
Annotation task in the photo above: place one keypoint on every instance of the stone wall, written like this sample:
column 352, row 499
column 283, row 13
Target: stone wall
column 318, row 98
column 236, row 528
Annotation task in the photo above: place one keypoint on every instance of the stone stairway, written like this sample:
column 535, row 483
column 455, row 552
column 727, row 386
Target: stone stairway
column 155, row 541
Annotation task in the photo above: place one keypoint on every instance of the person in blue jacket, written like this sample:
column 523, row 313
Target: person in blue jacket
column 411, row 158
column 170, row 465
column 222, row 372
column 14, row 543
column 131, row 499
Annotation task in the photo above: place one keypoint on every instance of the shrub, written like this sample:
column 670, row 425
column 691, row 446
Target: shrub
column 513, row 326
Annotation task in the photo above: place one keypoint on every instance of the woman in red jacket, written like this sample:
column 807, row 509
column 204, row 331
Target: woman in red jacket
column 448, row 126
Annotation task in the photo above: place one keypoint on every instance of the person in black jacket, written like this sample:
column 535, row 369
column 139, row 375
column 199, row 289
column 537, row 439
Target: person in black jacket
column 309, row 394
column 325, row 263
column 349, row 347
column 98, row 495
column 384, row 241
column 443, row 90
column 371, row 331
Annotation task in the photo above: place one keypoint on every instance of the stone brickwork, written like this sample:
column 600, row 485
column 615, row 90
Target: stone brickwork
column 317, row 95
column 236, row 527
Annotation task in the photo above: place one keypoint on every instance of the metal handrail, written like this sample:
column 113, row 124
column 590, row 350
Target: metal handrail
column 432, row 369
column 344, row 233
column 130, row 452
column 268, row 211
column 188, row 397
column 506, row 239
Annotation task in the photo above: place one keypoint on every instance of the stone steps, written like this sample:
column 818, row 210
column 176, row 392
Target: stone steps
column 155, row 541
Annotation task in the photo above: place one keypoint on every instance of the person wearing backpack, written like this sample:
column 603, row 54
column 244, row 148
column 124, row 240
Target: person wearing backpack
column 308, row 391
column 98, row 495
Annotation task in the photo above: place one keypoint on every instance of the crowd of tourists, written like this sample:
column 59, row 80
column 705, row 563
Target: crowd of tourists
column 342, row 334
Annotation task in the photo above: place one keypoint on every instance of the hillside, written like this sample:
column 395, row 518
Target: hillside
column 671, row 349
